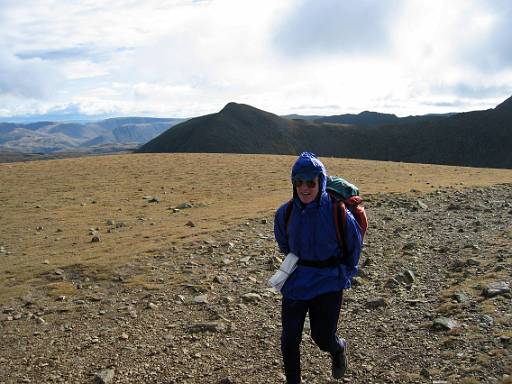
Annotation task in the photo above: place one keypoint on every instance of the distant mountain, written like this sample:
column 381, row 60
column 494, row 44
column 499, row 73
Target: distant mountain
column 303, row 117
column 237, row 128
column 49, row 137
column 363, row 118
column 7, row 127
column 375, row 118
column 479, row 138
column 140, row 132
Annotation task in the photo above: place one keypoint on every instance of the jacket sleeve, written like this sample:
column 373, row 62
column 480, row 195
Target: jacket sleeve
column 353, row 243
column 280, row 231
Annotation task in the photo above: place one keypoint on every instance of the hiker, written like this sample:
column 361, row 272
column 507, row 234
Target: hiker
column 305, row 226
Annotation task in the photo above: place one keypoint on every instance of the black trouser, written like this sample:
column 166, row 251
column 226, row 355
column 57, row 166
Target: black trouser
column 324, row 311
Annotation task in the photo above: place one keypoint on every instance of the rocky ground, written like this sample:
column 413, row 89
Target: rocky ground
column 432, row 304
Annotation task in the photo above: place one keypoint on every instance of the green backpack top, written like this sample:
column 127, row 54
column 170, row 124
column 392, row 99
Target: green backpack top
column 341, row 187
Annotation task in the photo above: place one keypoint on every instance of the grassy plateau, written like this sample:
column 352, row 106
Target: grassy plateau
column 49, row 209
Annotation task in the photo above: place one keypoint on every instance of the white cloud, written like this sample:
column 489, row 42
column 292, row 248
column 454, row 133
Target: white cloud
column 184, row 58
column 29, row 79
column 356, row 27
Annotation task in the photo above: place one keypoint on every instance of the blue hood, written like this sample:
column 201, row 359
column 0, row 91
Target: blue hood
column 309, row 164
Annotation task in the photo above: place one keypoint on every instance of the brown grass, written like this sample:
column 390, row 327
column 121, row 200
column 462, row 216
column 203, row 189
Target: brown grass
column 63, row 288
column 140, row 281
column 65, row 198
column 469, row 380
column 448, row 309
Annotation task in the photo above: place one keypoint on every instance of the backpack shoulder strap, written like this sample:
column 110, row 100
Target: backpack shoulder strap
column 340, row 218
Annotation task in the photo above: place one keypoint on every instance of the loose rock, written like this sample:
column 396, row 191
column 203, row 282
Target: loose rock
column 213, row 326
column 376, row 303
column 105, row 376
column 444, row 323
column 496, row 288
column 251, row 297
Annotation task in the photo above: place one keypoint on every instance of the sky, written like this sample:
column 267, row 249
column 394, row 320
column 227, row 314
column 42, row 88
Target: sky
column 74, row 59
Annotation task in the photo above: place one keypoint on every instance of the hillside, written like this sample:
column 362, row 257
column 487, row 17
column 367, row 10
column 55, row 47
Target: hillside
column 479, row 138
column 237, row 128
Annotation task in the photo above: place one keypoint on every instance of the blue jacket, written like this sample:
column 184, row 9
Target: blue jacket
column 312, row 236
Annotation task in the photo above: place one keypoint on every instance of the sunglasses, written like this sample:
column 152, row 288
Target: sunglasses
column 309, row 183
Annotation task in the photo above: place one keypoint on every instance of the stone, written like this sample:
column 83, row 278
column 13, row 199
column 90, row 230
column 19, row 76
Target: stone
column 409, row 277
column 184, row 206
column 201, row 299
column 497, row 288
column 461, row 297
column 104, row 376
column 409, row 245
column 95, row 239
column 251, row 297
column 486, row 320
column 472, row 263
column 220, row 279
column 392, row 283
column 444, row 323
column 406, row 277
column 190, row 224
column 245, row 259
column 505, row 340
column 151, row 306
column 376, row 303
column 422, row 205
column 212, row 326
column 181, row 299
column 454, row 207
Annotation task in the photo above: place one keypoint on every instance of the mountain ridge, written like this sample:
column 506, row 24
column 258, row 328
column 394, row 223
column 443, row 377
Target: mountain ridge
column 477, row 138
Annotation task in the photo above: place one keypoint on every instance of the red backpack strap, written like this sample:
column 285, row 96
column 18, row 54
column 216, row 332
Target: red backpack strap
column 340, row 218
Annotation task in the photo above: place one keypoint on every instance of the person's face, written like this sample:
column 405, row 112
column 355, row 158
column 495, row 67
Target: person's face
column 307, row 190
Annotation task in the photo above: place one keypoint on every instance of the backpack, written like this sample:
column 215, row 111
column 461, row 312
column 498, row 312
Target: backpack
column 348, row 193
column 344, row 195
